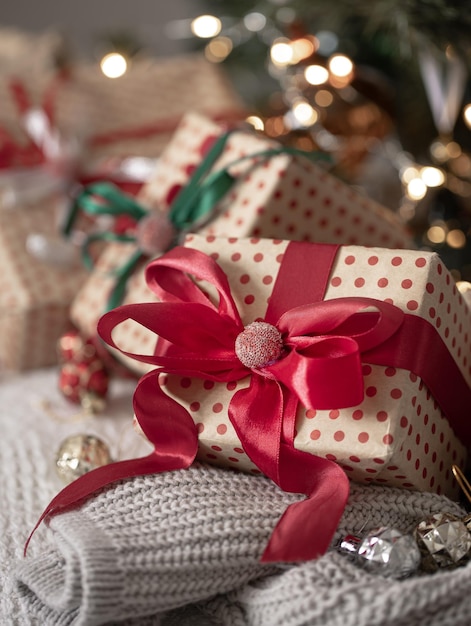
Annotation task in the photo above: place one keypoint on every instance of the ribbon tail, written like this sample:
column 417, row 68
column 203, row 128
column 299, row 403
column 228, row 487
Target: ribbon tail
column 306, row 528
column 266, row 431
column 87, row 485
column 166, row 424
column 123, row 273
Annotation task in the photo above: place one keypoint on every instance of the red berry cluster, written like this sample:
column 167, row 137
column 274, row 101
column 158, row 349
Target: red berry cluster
column 82, row 372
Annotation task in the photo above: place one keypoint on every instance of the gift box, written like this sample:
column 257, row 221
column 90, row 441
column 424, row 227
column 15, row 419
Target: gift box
column 134, row 115
column 285, row 196
column 408, row 425
column 37, row 285
column 81, row 126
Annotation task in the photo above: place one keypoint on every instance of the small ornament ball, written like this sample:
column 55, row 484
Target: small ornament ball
column 80, row 454
column 80, row 381
column 73, row 347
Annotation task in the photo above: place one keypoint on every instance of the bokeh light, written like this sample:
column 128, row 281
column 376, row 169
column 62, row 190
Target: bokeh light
column 467, row 115
column 304, row 113
column 218, row 49
column 281, row 53
column 255, row 21
column 206, row 26
column 340, row 65
column 432, row 176
column 113, row 65
column 256, row 122
column 316, row 74
column 416, row 189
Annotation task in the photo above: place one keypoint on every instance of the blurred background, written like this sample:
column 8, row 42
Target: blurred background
column 383, row 86
column 88, row 24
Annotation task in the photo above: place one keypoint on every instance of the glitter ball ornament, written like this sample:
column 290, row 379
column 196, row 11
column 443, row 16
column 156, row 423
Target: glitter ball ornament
column 155, row 233
column 80, row 454
column 72, row 346
column 444, row 542
column 79, row 382
column 385, row 551
column 258, row 345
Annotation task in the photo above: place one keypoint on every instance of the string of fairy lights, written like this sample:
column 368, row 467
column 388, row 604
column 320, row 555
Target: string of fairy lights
column 313, row 76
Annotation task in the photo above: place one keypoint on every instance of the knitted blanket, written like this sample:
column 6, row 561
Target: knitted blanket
column 183, row 548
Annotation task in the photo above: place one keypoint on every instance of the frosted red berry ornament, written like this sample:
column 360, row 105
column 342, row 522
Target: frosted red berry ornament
column 73, row 347
column 258, row 345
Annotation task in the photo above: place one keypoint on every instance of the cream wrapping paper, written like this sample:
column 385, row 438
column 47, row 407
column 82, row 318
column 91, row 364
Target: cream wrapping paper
column 35, row 295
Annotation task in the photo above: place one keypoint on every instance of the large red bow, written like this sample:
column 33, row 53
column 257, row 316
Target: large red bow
column 320, row 367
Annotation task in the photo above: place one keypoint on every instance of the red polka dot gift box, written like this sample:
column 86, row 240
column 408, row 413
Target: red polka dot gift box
column 39, row 277
column 273, row 349
column 284, row 196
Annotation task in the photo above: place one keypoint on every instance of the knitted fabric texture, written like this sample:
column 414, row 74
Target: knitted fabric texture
column 182, row 548
column 152, row 544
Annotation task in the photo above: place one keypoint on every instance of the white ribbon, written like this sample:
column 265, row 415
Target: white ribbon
column 444, row 81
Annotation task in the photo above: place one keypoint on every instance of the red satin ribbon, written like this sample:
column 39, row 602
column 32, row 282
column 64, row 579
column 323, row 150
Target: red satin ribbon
column 325, row 343
column 174, row 435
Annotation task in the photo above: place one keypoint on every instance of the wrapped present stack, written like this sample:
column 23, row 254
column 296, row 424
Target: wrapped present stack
column 267, row 191
column 271, row 332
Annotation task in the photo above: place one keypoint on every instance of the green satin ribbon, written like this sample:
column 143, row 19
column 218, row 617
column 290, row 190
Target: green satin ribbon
column 121, row 273
column 197, row 198
column 201, row 195
column 194, row 204
column 102, row 198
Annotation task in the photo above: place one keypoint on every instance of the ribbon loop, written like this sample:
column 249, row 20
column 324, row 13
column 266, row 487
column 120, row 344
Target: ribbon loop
column 367, row 320
column 314, row 373
column 169, row 278
column 206, row 352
